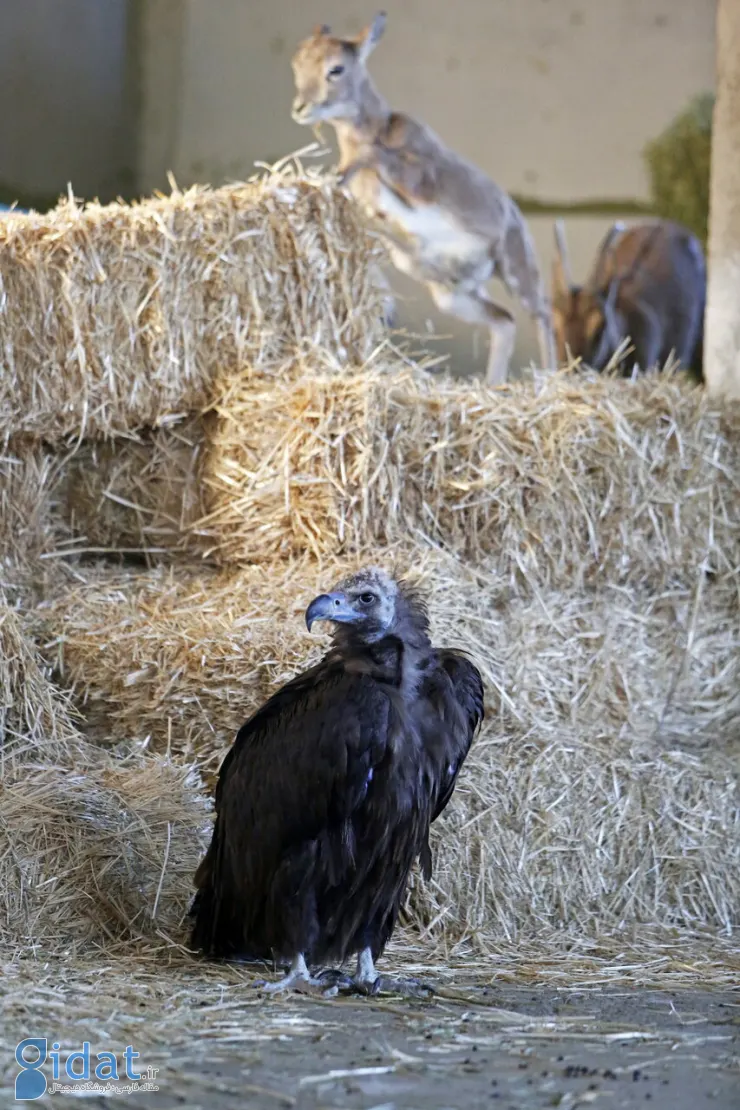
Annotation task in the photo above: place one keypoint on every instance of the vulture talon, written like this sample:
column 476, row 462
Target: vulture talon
column 407, row 988
column 298, row 979
column 367, row 982
column 363, row 987
column 370, row 990
column 333, row 977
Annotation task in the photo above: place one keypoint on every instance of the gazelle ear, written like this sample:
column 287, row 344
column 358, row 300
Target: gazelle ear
column 368, row 39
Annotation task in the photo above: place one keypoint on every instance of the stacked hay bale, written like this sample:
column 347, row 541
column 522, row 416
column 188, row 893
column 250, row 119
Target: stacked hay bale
column 120, row 317
column 579, row 536
column 94, row 850
column 118, row 327
column 326, row 464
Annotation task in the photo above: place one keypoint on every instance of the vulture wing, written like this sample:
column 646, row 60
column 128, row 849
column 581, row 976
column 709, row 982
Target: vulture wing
column 456, row 692
column 299, row 768
column 467, row 690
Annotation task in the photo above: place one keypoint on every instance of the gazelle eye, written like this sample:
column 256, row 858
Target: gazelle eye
column 336, row 71
column 367, row 599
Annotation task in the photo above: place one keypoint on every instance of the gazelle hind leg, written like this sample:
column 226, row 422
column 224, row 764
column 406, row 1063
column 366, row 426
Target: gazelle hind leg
column 474, row 307
column 388, row 301
column 500, row 351
column 546, row 343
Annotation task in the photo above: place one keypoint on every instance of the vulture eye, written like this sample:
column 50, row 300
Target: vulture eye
column 367, row 599
column 336, row 71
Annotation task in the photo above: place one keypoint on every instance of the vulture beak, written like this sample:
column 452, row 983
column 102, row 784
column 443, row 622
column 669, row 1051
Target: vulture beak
column 330, row 607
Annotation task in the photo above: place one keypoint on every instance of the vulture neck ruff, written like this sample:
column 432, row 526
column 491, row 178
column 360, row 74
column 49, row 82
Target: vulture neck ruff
column 398, row 656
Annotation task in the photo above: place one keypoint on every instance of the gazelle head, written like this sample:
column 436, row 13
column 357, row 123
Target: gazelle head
column 585, row 320
column 330, row 73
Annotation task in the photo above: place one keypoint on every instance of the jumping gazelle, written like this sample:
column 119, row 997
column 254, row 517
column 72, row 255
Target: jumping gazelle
column 446, row 224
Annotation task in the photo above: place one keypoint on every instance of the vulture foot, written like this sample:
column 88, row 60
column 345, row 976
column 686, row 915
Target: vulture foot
column 298, row 979
column 335, row 978
column 367, row 981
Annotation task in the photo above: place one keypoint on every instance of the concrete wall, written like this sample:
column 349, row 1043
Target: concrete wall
column 65, row 108
column 555, row 100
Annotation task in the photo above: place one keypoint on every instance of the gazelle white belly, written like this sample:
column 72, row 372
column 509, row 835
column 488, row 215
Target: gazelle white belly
column 442, row 249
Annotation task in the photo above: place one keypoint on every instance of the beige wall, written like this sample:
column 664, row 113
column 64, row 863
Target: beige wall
column 555, row 100
column 552, row 98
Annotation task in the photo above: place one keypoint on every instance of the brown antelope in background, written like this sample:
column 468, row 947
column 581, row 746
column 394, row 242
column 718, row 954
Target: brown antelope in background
column 648, row 285
column 445, row 222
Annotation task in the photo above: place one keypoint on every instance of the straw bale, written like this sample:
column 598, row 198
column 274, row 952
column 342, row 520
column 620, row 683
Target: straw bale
column 602, row 793
column 561, row 833
column 139, row 493
column 29, row 525
column 93, row 850
column 120, row 316
column 177, row 661
column 567, row 480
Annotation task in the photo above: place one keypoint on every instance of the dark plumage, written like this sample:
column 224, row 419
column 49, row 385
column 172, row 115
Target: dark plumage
column 326, row 797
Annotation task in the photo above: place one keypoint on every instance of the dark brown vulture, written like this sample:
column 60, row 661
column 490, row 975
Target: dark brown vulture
column 325, row 800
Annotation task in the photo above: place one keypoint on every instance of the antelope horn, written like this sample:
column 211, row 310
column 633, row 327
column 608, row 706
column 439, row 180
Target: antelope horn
column 606, row 263
column 611, row 294
column 610, row 242
column 561, row 265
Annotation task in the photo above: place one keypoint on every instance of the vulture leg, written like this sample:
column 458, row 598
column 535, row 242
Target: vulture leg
column 366, row 976
column 298, row 979
column 367, row 980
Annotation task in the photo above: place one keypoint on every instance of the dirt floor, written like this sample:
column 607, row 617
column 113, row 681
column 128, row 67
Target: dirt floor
column 676, row 1052
column 217, row 1043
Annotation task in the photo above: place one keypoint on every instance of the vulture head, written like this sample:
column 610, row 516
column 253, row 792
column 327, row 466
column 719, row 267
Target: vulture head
column 373, row 605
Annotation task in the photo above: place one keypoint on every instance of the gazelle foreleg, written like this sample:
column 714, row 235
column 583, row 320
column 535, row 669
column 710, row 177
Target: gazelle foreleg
column 475, row 307
column 397, row 200
column 344, row 176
